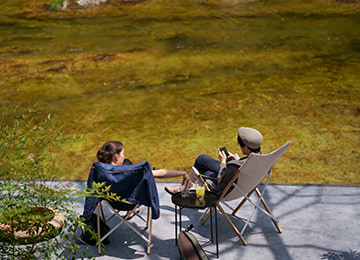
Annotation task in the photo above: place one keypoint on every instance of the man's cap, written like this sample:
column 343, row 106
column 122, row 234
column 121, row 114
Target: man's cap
column 252, row 138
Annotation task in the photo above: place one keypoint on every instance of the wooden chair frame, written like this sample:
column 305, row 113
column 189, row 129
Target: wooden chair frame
column 246, row 197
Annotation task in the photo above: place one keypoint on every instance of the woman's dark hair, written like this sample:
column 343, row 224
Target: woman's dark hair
column 108, row 150
column 242, row 144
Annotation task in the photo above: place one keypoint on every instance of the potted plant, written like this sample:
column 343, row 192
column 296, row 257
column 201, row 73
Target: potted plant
column 36, row 206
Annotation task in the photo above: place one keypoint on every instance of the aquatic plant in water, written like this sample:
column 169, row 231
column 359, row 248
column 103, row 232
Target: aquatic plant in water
column 173, row 84
column 56, row 4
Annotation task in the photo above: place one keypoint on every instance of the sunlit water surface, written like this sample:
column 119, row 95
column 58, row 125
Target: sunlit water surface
column 173, row 85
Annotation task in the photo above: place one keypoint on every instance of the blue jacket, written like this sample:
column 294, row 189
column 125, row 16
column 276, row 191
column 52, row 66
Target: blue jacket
column 134, row 182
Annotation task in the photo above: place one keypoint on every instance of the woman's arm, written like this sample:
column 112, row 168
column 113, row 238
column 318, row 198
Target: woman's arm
column 163, row 173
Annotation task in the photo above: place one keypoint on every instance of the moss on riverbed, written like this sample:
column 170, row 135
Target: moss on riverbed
column 173, row 79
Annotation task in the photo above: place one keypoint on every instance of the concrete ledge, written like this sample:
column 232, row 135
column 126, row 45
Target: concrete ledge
column 318, row 222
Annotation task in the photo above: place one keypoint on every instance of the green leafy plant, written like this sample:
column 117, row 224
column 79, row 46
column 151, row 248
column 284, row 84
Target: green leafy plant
column 56, row 4
column 31, row 189
column 103, row 191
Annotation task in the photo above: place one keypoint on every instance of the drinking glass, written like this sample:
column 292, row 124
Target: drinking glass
column 185, row 192
column 200, row 192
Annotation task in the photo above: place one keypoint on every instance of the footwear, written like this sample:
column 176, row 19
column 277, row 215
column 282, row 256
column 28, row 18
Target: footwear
column 172, row 191
column 168, row 191
column 131, row 214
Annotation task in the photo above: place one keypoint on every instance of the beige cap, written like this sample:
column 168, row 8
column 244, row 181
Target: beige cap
column 252, row 138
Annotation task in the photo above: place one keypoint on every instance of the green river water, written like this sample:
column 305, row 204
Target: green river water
column 173, row 79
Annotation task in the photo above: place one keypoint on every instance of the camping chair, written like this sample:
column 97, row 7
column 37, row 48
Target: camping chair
column 246, row 181
column 134, row 183
column 123, row 219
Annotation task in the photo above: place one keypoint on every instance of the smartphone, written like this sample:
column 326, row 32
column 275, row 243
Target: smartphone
column 225, row 151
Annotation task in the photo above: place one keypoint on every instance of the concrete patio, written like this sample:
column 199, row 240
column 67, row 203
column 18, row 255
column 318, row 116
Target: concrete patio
column 318, row 222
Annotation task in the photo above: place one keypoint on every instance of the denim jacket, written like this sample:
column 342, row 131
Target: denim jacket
column 135, row 183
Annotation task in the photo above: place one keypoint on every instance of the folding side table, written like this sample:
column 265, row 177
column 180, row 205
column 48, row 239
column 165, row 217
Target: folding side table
column 209, row 201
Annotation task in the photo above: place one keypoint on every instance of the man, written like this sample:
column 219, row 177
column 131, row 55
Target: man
column 217, row 173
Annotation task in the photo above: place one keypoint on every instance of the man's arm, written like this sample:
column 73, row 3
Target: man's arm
column 226, row 172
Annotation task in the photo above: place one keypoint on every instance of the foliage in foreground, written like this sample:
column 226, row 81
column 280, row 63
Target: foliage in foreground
column 29, row 159
column 31, row 188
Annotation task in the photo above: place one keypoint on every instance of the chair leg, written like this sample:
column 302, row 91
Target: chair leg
column 242, row 202
column 125, row 221
column 204, row 219
column 102, row 211
column 232, row 225
column 148, row 218
column 268, row 210
column 204, row 214
column 150, row 230
column 98, row 226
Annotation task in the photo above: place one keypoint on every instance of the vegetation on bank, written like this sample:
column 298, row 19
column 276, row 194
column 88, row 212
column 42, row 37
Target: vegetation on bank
column 173, row 79
column 30, row 161
column 38, row 220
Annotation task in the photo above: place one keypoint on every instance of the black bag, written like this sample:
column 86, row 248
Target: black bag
column 92, row 224
column 189, row 247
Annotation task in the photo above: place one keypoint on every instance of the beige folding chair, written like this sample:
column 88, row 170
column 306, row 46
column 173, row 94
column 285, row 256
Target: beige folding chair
column 246, row 181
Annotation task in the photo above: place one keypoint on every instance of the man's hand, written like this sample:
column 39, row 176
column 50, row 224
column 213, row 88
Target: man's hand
column 233, row 156
column 222, row 157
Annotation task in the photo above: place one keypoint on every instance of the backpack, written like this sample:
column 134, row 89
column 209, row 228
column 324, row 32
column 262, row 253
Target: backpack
column 189, row 247
column 92, row 224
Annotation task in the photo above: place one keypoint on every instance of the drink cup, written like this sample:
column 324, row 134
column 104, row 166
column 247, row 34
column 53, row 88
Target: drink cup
column 200, row 192
column 185, row 192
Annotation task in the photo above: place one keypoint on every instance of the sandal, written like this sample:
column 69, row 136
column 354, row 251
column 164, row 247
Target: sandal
column 168, row 191
column 131, row 214
column 172, row 191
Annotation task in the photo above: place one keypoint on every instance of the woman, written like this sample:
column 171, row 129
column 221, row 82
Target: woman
column 112, row 152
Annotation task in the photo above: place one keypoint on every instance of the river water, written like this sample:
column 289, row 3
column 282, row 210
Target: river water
column 175, row 79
